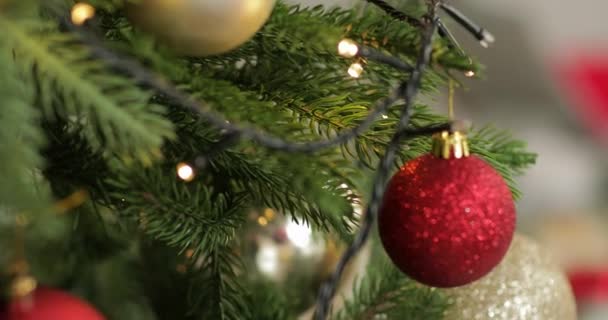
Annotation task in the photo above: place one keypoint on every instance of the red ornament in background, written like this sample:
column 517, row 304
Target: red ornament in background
column 447, row 221
column 590, row 285
column 584, row 80
column 51, row 304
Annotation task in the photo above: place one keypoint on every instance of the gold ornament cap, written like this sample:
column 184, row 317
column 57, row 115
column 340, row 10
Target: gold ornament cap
column 450, row 144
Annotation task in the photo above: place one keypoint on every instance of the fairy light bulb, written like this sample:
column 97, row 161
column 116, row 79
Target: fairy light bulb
column 81, row 12
column 262, row 221
column 299, row 234
column 355, row 70
column 469, row 73
column 486, row 39
column 348, row 48
column 267, row 259
column 185, row 172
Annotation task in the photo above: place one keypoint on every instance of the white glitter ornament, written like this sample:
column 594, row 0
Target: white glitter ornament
column 526, row 285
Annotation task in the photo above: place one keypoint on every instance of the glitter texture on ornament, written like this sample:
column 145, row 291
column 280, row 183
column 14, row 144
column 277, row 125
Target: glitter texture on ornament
column 527, row 285
column 447, row 222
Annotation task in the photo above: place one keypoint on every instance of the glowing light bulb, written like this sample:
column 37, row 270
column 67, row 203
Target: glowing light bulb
column 348, row 48
column 269, row 214
column 185, row 172
column 262, row 221
column 267, row 259
column 355, row 70
column 469, row 73
column 81, row 12
column 299, row 234
column 486, row 38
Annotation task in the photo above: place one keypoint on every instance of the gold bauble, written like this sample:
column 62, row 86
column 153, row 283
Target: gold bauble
column 201, row 27
column 527, row 285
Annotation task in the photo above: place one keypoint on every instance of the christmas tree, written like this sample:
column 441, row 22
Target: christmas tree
column 223, row 160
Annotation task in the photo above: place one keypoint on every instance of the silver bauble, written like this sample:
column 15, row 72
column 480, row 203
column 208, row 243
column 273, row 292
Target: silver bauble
column 201, row 27
column 527, row 285
column 296, row 259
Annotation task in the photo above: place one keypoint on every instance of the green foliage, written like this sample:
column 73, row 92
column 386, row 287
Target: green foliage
column 266, row 302
column 385, row 291
column 125, row 249
column 184, row 216
column 20, row 139
column 110, row 110
column 216, row 292
column 507, row 155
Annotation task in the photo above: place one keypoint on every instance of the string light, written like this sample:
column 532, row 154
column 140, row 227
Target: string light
column 262, row 221
column 181, row 268
column 348, row 48
column 486, row 38
column 469, row 73
column 185, row 172
column 269, row 214
column 267, row 259
column 355, row 70
column 299, row 234
column 81, row 12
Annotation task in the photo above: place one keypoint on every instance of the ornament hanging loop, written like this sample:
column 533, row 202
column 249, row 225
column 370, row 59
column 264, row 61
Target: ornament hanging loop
column 451, row 99
column 452, row 143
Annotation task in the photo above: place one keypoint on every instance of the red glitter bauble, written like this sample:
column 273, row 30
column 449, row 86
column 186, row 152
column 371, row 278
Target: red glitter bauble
column 50, row 304
column 447, row 222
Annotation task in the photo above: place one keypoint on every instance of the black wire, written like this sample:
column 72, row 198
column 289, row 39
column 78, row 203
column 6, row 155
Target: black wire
column 144, row 77
column 407, row 90
column 478, row 32
column 393, row 12
column 328, row 289
column 228, row 140
column 375, row 55
column 445, row 33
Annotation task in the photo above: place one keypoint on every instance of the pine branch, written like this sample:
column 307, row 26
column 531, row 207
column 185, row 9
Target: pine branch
column 303, row 187
column 266, row 302
column 183, row 216
column 112, row 112
column 20, row 140
column 507, row 155
column 385, row 291
column 216, row 292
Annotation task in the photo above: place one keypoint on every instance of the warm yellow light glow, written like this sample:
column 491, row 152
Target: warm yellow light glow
column 81, row 12
column 269, row 214
column 348, row 48
column 185, row 172
column 181, row 268
column 262, row 221
column 355, row 70
column 469, row 73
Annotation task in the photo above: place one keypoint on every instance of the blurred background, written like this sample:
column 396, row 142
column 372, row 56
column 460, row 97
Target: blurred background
column 546, row 81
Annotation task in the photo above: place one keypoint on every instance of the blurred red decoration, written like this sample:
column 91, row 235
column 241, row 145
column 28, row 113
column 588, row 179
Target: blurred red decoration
column 590, row 285
column 51, row 304
column 584, row 80
column 447, row 222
